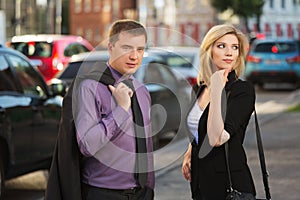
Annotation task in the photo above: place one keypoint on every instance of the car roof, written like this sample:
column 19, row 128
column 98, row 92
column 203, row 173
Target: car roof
column 275, row 40
column 104, row 55
column 43, row 37
column 181, row 49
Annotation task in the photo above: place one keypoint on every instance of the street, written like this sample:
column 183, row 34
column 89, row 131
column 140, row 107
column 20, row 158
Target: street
column 280, row 136
column 282, row 153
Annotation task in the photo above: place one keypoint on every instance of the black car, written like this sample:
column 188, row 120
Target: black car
column 170, row 92
column 29, row 117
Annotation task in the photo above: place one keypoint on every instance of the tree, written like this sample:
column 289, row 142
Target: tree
column 241, row 8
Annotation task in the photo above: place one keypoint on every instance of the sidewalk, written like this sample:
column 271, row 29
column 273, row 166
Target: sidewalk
column 171, row 156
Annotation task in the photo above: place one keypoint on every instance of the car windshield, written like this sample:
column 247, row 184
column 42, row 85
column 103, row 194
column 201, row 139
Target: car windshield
column 40, row 49
column 278, row 47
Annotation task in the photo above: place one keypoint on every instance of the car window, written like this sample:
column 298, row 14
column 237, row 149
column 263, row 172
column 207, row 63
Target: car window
column 152, row 74
column 174, row 60
column 28, row 77
column 75, row 48
column 278, row 47
column 7, row 82
column 40, row 49
column 159, row 73
column 70, row 71
column 167, row 75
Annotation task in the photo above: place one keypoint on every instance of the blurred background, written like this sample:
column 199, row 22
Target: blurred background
column 191, row 17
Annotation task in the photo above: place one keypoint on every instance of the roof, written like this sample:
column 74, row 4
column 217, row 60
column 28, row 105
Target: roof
column 42, row 37
column 181, row 49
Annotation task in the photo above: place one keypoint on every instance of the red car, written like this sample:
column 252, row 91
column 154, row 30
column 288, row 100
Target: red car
column 50, row 53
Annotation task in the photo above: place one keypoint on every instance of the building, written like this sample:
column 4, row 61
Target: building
column 281, row 18
column 92, row 18
column 181, row 23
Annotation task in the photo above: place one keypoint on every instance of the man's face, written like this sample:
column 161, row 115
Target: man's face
column 127, row 52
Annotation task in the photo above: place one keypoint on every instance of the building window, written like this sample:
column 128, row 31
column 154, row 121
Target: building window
column 294, row 2
column 97, row 35
column 78, row 6
column 283, row 4
column 271, row 4
column 87, row 6
column 96, row 6
column 106, row 6
column 88, row 34
column 79, row 31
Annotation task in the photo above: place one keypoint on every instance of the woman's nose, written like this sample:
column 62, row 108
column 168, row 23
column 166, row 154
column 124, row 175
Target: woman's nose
column 228, row 52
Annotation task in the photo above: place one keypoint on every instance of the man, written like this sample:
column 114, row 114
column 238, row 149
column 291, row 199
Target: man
column 107, row 133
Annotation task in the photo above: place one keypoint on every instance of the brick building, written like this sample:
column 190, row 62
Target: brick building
column 92, row 18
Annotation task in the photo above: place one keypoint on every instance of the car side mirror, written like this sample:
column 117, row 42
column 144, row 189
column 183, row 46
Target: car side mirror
column 58, row 87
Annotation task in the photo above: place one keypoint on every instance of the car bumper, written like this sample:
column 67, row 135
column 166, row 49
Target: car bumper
column 273, row 77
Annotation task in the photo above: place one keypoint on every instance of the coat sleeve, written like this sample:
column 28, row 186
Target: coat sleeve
column 240, row 105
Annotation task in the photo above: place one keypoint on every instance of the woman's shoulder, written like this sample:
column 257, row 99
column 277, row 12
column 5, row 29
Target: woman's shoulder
column 242, row 86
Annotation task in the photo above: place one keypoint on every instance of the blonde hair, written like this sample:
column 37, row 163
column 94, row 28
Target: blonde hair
column 215, row 33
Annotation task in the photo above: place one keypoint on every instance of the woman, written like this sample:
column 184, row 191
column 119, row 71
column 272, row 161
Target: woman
column 222, row 54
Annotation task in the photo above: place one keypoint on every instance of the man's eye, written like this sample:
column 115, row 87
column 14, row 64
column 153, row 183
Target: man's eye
column 126, row 48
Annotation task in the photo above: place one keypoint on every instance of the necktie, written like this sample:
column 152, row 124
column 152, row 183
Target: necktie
column 141, row 149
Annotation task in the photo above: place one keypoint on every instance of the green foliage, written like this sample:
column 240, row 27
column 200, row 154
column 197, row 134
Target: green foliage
column 295, row 108
column 242, row 8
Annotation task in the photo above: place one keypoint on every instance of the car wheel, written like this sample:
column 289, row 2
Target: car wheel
column 1, row 178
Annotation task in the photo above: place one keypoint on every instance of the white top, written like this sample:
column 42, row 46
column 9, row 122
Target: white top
column 193, row 120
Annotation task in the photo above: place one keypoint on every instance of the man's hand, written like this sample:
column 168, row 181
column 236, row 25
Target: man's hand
column 122, row 93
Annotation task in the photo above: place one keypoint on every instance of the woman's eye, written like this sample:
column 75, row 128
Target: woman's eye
column 235, row 47
column 221, row 46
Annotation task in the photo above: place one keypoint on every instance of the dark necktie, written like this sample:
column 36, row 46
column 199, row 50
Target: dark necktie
column 141, row 149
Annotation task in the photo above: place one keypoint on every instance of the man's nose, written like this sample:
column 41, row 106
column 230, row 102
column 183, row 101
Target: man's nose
column 134, row 54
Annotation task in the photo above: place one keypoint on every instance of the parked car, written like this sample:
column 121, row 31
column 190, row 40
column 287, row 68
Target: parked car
column 170, row 95
column 182, row 60
column 54, row 51
column 273, row 61
column 29, row 117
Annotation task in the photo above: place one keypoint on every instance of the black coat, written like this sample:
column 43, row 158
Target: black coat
column 209, row 175
column 65, row 173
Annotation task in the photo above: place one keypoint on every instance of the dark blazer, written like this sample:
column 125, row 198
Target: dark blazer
column 209, row 175
column 64, row 181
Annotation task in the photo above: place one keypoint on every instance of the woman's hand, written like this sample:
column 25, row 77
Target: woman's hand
column 186, row 164
column 219, row 79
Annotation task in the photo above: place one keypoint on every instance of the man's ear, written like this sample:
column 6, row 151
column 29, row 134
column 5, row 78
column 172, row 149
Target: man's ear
column 109, row 46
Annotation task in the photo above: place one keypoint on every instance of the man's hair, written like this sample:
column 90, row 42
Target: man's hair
column 126, row 25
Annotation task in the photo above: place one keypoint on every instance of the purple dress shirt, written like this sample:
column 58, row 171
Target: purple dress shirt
column 105, row 135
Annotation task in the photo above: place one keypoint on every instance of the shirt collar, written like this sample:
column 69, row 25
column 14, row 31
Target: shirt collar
column 117, row 75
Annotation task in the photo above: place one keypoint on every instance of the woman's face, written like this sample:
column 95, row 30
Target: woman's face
column 225, row 52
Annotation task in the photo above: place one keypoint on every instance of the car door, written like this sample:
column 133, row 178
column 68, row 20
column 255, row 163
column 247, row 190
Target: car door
column 44, row 111
column 16, row 112
column 162, row 85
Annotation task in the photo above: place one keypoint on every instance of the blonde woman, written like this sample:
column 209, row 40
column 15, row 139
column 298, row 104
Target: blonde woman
column 222, row 54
